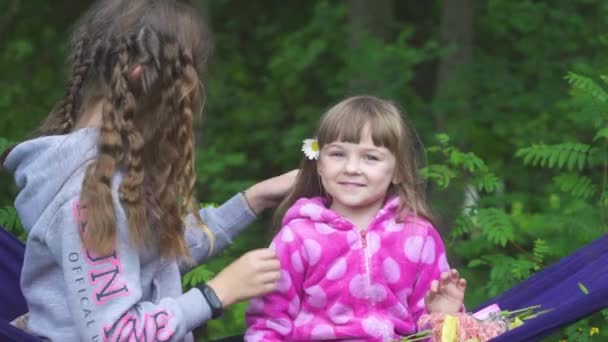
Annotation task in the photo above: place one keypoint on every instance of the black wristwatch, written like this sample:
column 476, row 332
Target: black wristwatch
column 212, row 299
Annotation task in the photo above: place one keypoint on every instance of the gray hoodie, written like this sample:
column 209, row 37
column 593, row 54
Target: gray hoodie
column 75, row 295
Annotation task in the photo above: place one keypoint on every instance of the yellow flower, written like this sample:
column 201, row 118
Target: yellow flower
column 449, row 332
column 516, row 323
column 594, row 331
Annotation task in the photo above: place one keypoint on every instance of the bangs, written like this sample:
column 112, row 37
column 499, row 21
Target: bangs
column 352, row 121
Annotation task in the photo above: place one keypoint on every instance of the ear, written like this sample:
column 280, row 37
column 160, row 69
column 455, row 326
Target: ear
column 319, row 167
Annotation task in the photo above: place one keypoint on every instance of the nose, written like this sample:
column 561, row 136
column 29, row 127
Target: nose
column 352, row 166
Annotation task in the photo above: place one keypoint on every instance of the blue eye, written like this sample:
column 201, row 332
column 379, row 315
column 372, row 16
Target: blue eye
column 371, row 157
column 336, row 154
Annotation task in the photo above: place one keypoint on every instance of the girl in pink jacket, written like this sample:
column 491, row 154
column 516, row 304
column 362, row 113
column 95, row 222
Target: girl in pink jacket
column 360, row 260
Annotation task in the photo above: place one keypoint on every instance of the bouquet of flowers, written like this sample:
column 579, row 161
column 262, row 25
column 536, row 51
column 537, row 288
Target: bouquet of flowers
column 466, row 327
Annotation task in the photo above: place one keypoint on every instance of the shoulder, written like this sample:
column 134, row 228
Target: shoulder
column 422, row 242
column 63, row 227
column 305, row 209
column 418, row 225
column 296, row 231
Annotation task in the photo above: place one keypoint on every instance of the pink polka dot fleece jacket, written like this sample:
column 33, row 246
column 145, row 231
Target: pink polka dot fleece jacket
column 339, row 282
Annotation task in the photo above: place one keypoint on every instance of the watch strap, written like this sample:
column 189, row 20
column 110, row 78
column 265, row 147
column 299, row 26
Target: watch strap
column 212, row 299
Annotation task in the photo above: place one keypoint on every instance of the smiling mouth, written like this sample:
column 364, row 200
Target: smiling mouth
column 351, row 184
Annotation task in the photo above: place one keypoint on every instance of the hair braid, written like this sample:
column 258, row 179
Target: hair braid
column 62, row 119
column 189, row 93
column 131, row 189
column 173, row 197
column 97, row 187
column 139, row 61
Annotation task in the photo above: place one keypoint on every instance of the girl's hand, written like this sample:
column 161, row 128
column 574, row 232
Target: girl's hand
column 447, row 294
column 268, row 193
column 253, row 274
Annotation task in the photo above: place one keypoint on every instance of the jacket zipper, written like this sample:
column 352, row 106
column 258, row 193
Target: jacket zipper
column 364, row 238
column 368, row 275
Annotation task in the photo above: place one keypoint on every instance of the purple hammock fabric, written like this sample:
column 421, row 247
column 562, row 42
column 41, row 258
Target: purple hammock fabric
column 12, row 303
column 556, row 287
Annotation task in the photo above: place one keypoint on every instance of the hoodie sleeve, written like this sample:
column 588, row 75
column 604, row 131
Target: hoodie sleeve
column 104, row 293
column 225, row 222
column 271, row 317
column 432, row 262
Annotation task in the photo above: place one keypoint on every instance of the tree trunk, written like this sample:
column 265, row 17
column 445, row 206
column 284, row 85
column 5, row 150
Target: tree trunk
column 452, row 93
column 456, row 32
column 368, row 19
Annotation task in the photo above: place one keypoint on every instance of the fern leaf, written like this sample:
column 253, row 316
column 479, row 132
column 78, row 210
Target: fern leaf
column 487, row 182
column 440, row 174
column 522, row 268
column 602, row 133
column 553, row 158
column 563, row 158
column 464, row 225
column 540, row 250
column 588, row 86
column 569, row 154
column 577, row 185
column 496, row 225
column 196, row 276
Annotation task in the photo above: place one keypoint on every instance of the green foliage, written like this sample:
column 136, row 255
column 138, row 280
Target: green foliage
column 197, row 275
column 493, row 236
column 579, row 186
column 587, row 86
column 541, row 250
column 572, row 155
column 10, row 220
column 496, row 226
column 453, row 163
column 4, row 143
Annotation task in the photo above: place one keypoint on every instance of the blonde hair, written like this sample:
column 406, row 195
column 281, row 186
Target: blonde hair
column 147, row 120
column 346, row 122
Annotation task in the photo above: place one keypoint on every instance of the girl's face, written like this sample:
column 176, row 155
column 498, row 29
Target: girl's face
column 356, row 176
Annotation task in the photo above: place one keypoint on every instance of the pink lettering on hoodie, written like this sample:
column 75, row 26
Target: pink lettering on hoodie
column 339, row 282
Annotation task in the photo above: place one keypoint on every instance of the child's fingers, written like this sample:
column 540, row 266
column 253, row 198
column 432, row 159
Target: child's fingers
column 462, row 283
column 432, row 292
column 455, row 275
column 434, row 287
column 445, row 278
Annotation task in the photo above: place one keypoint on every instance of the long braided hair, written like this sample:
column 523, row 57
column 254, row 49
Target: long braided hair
column 142, row 59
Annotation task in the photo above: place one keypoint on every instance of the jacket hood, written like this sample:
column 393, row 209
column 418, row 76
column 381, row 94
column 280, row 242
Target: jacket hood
column 42, row 166
column 316, row 209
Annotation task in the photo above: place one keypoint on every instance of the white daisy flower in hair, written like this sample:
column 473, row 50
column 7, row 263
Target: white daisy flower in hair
column 310, row 147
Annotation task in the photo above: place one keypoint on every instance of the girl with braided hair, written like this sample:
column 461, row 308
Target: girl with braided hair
column 106, row 189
